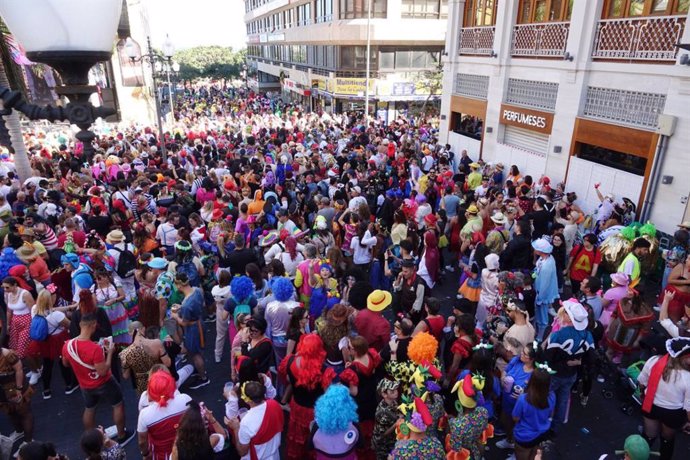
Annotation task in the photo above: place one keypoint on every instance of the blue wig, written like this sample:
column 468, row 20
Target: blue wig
column 335, row 410
column 8, row 259
column 283, row 289
column 242, row 288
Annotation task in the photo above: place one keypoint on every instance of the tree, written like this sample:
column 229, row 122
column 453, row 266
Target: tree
column 209, row 62
column 430, row 82
column 11, row 121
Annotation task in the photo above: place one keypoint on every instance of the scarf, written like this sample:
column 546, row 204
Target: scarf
column 653, row 384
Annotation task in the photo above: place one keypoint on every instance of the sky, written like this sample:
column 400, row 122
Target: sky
column 197, row 22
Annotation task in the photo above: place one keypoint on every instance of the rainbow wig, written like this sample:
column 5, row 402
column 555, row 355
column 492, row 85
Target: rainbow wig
column 283, row 289
column 422, row 348
column 242, row 288
column 335, row 410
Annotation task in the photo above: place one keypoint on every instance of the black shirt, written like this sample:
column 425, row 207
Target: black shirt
column 540, row 221
column 239, row 259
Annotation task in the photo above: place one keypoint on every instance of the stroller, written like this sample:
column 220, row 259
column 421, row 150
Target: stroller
column 620, row 382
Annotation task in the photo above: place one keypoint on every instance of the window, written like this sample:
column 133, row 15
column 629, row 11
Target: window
column 480, row 13
column 323, row 10
column 408, row 59
column 613, row 159
column 353, row 9
column 637, row 8
column 467, row 125
column 424, row 9
column 536, row 11
column 355, row 57
column 304, row 14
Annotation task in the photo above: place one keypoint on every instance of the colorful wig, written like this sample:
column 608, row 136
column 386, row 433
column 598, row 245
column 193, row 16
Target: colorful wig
column 242, row 288
column 283, row 289
column 8, row 259
column 422, row 348
column 161, row 388
column 335, row 410
column 312, row 354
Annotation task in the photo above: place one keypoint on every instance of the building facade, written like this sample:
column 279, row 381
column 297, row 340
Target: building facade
column 587, row 92
column 315, row 51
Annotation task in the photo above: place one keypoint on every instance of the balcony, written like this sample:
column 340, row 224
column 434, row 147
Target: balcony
column 544, row 40
column 638, row 39
column 477, row 41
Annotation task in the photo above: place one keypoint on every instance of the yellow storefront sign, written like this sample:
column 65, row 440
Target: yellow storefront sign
column 350, row 86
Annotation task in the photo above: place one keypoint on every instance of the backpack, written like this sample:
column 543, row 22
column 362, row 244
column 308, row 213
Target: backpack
column 38, row 330
column 242, row 308
column 126, row 264
column 189, row 269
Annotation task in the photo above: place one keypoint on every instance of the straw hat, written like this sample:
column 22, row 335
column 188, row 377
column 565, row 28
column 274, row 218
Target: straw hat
column 472, row 209
column 379, row 300
column 27, row 252
column 499, row 218
column 115, row 236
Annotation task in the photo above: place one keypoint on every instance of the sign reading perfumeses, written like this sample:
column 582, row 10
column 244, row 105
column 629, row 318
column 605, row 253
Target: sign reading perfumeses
column 527, row 118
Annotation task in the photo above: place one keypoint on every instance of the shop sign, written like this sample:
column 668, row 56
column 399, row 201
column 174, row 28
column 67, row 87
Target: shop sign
column 263, row 38
column 527, row 118
column 253, row 39
column 403, row 89
column 276, row 38
column 352, row 86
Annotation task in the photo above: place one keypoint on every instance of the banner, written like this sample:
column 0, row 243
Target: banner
column 351, row 86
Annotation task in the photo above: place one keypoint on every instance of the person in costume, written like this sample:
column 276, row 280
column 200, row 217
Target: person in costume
column 308, row 377
column 386, row 418
column 545, row 283
column 631, row 264
column 277, row 315
column 532, row 413
column 415, row 442
column 363, row 373
column 323, row 287
column 468, row 431
column 665, row 381
column 334, row 433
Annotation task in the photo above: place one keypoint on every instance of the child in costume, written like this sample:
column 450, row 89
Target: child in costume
column 415, row 443
column 387, row 414
column 468, row 431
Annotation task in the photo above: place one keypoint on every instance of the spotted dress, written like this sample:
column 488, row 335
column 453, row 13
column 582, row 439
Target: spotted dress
column 466, row 431
column 427, row 448
column 139, row 362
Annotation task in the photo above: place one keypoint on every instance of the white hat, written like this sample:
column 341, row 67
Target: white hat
column 492, row 261
column 542, row 245
column 577, row 313
column 357, row 189
column 499, row 218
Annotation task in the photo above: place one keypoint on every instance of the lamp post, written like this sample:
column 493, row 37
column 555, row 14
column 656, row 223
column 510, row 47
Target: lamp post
column 366, row 81
column 154, row 59
column 245, row 74
column 71, row 37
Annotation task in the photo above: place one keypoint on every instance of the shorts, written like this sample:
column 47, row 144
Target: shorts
column 533, row 442
column 672, row 418
column 110, row 392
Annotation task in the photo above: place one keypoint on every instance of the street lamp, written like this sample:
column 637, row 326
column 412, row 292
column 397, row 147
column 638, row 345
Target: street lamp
column 71, row 37
column 157, row 62
column 245, row 74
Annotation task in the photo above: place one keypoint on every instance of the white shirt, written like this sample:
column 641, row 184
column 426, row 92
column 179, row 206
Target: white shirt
column 674, row 394
column 362, row 255
column 166, row 234
column 249, row 426
column 54, row 318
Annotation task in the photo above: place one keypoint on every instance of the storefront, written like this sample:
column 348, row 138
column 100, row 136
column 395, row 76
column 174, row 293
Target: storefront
column 294, row 91
column 466, row 128
column 619, row 158
column 526, row 135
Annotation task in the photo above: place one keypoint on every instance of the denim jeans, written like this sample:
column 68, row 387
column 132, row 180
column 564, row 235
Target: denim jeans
column 561, row 387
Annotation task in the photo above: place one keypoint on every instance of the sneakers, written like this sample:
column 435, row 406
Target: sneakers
column 47, row 394
column 71, row 389
column 199, row 383
column 600, row 378
column 584, row 400
column 124, row 440
column 505, row 444
column 16, row 435
column 499, row 432
column 450, row 268
column 34, row 377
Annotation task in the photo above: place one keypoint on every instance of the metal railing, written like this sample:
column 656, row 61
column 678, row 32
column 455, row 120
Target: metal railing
column 531, row 93
column 639, row 39
column 547, row 39
column 475, row 86
column 624, row 107
column 477, row 40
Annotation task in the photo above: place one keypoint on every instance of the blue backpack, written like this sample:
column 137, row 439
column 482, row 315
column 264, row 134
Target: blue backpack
column 38, row 330
column 189, row 269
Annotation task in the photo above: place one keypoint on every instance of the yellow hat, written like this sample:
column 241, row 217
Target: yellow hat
column 474, row 165
column 473, row 209
column 379, row 300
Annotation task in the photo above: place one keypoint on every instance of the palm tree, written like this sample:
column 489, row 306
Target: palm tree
column 21, row 156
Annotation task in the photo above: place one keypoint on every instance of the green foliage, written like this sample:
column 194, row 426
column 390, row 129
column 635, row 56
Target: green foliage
column 210, row 62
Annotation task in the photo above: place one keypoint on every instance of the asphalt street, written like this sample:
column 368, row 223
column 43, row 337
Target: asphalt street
column 599, row 428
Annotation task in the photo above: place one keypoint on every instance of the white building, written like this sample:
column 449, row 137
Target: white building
column 586, row 91
column 314, row 51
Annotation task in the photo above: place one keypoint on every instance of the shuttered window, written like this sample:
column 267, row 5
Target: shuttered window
column 526, row 139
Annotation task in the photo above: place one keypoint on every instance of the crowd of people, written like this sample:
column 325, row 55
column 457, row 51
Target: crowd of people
column 318, row 245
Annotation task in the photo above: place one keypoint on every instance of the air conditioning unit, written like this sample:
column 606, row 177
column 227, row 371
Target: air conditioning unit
column 666, row 125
